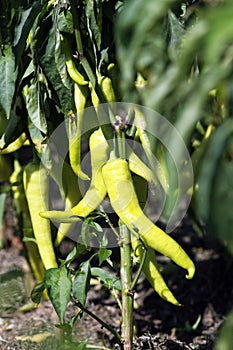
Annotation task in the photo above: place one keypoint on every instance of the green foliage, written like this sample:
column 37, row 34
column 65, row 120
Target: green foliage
column 58, row 284
column 81, row 282
column 109, row 280
column 225, row 337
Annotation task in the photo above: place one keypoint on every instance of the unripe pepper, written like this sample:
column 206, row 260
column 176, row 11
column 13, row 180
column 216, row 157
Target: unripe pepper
column 100, row 150
column 22, row 211
column 75, row 75
column 72, row 197
column 80, row 95
column 35, row 180
column 105, row 84
column 124, row 201
column 96, row 192
column 152, row 273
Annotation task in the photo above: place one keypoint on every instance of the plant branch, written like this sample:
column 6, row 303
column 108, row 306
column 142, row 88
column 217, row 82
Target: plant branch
column 103, row 324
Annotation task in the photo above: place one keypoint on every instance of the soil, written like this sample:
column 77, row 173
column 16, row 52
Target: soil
column 206, row 300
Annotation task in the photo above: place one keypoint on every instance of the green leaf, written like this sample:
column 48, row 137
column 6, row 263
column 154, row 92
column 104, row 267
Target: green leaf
column 207, row 170
column 176, row 33
column 224, row 339
column 37, row 292
column 81, row 282
column 86, row 233
column 93, row 22
column 35, row 106
column 65, row 22
column 58, row 284
column 220, row 221
column 48, row 63
column 15, row 126
column 61, row 62
column 95, row 225
column 110, row 281
column 8, row 79
column 23, row 29
column 70, row 257
column 103, row 254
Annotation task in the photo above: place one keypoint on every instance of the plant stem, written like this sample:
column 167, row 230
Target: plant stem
column 127, row 295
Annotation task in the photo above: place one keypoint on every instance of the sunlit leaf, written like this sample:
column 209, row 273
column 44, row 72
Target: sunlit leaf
column 35, row 107
column 81, row 282
column 49, row 66
column 104, row 254
column 109, row 280
column 58, row 284
column 8, row 79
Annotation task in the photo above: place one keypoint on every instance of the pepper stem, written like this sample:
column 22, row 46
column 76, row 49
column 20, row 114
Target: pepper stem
column 127, row 294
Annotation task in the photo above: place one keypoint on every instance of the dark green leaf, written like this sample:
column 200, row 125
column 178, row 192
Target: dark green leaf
column 103, row 254
column 93, row 22
column 82, row 282
column 61, row 62
column 37, row 292
column 110, row 281
column 16, row 124
column 23, row 29
column 58, row 284
column 70, row 257
column 7, row 81
column 220, row 221
column 35, row 106
column 48, row 63
column 207, row 170
column 65, row 22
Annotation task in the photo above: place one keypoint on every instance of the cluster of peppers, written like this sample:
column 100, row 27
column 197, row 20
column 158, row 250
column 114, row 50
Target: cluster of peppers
column 112, row 176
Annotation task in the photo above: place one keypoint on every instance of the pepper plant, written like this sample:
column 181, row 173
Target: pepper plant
column 106, row 78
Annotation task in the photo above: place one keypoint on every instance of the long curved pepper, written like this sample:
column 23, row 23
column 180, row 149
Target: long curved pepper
column 152, row 273
column 124, row 201
column 97, row 191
